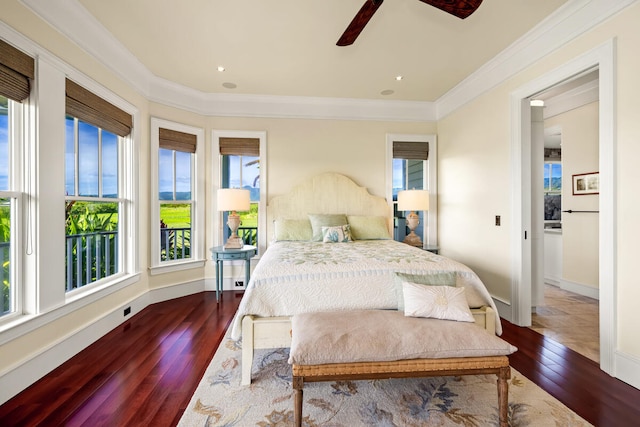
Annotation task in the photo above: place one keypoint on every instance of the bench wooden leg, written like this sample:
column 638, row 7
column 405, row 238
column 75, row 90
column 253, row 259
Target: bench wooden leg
column 298, row 383
column 503, row 395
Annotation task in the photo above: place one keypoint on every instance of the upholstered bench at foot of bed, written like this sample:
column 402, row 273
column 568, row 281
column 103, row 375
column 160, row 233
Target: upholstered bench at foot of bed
column 379, row 344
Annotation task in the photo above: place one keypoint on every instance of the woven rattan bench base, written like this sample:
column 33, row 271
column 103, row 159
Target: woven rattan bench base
column 498, row 365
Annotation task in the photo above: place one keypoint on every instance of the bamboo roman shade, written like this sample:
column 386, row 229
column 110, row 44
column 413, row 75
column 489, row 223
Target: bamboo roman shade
column 16, row 68
column 92, row 109
column 179, row 141
column 411, row 150
column 240, row 147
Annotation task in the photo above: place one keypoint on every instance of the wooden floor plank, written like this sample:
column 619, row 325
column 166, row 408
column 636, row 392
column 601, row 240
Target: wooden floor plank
column 145, row 371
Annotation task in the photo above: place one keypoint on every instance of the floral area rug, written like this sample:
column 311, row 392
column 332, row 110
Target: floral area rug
column 466, row 401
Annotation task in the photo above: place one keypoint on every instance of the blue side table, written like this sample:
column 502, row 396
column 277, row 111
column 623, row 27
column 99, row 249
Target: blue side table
column 220, row 255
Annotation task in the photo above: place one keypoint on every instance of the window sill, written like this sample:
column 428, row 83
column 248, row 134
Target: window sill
column 176, row 266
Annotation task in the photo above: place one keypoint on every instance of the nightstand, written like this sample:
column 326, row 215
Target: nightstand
column 220, row 255
column 432, row 248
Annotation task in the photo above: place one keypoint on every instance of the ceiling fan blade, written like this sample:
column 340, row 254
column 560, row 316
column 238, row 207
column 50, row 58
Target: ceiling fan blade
column 459, row 8
column 359, row 21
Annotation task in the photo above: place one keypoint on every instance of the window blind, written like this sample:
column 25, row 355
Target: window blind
column 16, row 68
column 411, row 150
column 240, row 146
column 179, row 141
column 90, row 108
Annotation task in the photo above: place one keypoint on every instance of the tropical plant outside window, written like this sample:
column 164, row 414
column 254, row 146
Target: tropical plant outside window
column 241, row 171
column 175, row 183
column 93, row 203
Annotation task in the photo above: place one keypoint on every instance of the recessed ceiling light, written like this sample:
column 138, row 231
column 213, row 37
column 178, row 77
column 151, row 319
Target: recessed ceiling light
column 229, row 85
column 220, row 68
column 537, row 103
column 398, row 78
column 387, row 92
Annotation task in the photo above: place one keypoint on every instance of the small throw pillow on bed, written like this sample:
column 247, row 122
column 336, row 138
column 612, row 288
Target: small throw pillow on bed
column 325, row 220
column 337, row 234
column 437, row 302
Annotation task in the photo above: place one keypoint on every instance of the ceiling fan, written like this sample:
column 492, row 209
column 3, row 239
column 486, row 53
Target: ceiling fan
column 459, row 8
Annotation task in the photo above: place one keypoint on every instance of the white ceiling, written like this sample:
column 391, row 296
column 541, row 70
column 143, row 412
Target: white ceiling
column 288, row 47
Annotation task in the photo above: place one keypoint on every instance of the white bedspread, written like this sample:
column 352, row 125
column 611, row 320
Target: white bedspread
column 299, row 277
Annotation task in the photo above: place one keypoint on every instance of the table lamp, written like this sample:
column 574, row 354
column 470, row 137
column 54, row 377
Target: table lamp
column 413, row 200
column 233, row 200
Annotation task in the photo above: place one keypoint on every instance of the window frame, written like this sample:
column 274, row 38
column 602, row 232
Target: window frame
column 430, row 180
column 119, row 200
column 198, row 255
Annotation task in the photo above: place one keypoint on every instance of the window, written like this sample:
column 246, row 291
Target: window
column 16, row 73
column 409, row 173
column 95, row 208
column 240, row 160
column 412, row 165
column 9, row 207
column 176, row 216
column 552, row 192
column 175, row 178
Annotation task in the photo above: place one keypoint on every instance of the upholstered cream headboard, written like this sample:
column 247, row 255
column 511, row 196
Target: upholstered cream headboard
column 327, row 193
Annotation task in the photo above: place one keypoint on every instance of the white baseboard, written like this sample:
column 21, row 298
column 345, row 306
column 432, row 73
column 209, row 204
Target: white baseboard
column 16, row 378
column 504, row 309
column 627, row 369
column 176, row 291
column 580, row 289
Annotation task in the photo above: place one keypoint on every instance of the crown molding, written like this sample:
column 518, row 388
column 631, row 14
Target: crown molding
column 570, row 21
column 571, row 99
column 70, row 18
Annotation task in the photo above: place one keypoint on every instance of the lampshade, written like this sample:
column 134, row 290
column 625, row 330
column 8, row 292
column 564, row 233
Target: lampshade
column 413, row 200
column 234, row 199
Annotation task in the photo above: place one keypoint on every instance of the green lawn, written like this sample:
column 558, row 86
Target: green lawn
column 178, row 216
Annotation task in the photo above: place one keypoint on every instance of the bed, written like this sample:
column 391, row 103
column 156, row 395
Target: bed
column 308, row 267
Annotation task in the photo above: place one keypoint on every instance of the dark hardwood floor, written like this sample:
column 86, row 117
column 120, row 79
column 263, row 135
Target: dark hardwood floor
column 145, row 371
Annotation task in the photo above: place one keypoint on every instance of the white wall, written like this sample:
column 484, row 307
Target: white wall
column 579, row 230
column 475, row 173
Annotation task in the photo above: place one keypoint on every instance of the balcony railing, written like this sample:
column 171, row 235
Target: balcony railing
column 249, row 235
column 90, row 257
column 175, row 243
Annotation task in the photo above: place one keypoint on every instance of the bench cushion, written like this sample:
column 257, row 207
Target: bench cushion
column 386, row 335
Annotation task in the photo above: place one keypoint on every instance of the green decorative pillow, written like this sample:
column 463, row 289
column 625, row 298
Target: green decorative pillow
column 369, row 227
column 434, row 279
column 337, row 234
column 292, row 229
column 325, row 220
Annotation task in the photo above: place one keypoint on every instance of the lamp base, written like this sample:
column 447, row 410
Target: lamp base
column 413, row 239
column 234, row 243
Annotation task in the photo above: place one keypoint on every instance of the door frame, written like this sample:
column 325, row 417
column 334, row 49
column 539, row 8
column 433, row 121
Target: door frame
column 603, row 58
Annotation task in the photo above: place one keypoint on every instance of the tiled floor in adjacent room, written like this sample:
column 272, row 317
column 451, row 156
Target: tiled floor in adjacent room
column 570, row 319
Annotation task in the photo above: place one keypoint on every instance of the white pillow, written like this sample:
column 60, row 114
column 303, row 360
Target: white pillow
column 437, row 302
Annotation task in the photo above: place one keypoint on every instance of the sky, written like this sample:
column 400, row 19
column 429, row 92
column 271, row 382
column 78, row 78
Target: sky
column 88, row 161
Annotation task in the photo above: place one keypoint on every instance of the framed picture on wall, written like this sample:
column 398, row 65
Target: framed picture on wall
column 586, row 183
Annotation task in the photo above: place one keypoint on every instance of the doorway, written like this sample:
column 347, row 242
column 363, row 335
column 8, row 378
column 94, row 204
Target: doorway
column 564, row 140
column 601, row 58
